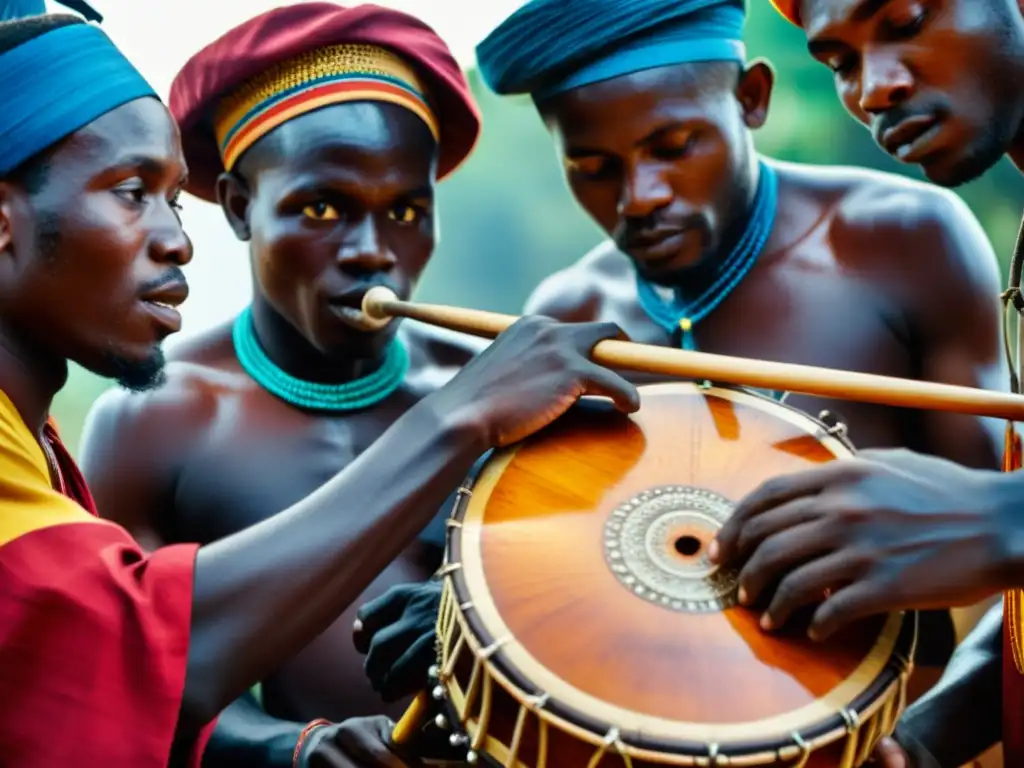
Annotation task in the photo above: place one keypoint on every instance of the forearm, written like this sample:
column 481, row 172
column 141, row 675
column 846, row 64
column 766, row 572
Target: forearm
column 961, row 716
column 264, row 593
column 247, row 737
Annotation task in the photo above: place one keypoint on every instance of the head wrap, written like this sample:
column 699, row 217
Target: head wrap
column 292, row 60
column 20, row 9
column 56, row 84
column 790, row 9
column 551, row 46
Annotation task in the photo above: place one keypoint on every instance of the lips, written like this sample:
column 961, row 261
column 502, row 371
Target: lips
column 348, row 307
column 899, row 139
column 162, row 304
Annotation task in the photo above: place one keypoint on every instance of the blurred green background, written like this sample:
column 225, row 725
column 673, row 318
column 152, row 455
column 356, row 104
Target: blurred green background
column 507, row 219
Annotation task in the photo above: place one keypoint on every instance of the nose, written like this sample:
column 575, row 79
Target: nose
column 364, row 250
column 645, row 191
column 169, row 243
column 885, row 82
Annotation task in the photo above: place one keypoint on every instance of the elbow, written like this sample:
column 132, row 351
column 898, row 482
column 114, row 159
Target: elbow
column 200, row 705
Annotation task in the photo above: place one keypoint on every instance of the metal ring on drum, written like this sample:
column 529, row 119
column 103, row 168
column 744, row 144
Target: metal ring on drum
column 582, row 625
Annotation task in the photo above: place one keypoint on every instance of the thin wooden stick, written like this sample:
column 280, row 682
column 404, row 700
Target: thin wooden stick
column 380, row 305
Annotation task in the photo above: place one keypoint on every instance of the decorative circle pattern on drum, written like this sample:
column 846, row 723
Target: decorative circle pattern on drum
column 530, row 554
column 656, row 545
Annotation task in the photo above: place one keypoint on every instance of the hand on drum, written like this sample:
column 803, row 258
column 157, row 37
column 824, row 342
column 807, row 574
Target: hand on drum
column 396, row 633
column 890, row 530
column 361, row 742
column 889, row 754
column 532, row 374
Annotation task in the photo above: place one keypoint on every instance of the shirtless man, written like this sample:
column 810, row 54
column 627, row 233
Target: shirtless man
column 260, row 412
column 653, row 109
column 938, row 85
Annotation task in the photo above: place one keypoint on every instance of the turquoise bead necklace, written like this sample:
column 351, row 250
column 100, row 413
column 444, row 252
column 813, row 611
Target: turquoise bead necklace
column 682, row 314
column 350, row 396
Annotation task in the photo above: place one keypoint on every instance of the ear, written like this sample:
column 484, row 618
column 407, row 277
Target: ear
column 754, row 92
column 235, row 200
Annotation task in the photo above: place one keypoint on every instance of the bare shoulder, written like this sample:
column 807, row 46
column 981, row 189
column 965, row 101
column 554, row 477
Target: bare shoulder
column 161, row 424
column 431, row 345
column 897, row 227
column 577, row 293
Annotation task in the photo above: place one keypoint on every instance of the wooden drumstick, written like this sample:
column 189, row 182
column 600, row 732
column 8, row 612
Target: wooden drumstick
column 380, row 305
column 413, row 718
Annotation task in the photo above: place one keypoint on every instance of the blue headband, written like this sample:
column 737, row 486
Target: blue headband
column 56, row 84
column 548, row 47
column 715, row 36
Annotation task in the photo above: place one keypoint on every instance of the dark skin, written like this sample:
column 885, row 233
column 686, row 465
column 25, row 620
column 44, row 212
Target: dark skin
column 857, row 274
column 937, row 83
column 331, row 202
column 102, row 233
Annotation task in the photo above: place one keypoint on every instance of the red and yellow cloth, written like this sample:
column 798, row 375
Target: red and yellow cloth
column 93, row 633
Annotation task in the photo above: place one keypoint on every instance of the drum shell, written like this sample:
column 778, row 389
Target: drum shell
column 575, row 737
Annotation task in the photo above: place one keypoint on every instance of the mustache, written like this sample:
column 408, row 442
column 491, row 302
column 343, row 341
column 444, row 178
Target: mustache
column 897, row 114
column 631, row 230
column 173, row 276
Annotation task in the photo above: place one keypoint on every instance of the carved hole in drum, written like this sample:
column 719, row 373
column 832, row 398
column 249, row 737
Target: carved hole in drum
column 687, row 546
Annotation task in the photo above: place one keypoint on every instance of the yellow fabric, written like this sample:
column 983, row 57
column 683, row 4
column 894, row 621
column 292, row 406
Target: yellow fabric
column 790, row 9
column 28, row 501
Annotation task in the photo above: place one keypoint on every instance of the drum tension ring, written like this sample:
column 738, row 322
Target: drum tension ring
column 835, row 426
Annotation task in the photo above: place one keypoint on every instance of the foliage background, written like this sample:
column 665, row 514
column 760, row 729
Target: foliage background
column 507, row 219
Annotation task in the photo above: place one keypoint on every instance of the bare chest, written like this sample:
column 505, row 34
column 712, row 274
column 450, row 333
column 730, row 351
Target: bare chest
column 805, row 316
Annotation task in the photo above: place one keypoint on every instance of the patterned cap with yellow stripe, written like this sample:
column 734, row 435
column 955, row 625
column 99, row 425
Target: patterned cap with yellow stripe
column 331, row 75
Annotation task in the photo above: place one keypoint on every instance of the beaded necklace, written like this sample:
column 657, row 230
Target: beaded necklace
column 350, row 396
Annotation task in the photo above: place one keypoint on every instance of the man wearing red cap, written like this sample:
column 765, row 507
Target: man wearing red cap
column 938, row 85
column 321, row 132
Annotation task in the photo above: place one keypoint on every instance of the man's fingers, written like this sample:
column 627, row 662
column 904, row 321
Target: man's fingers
column 774, row 493
column 408, row 675
column 857, row 601
column 379, row 612
column 326, row 755
column 602, row 381
column 807, row 584
column 387, row 647
column 786, row 516
column 889, row 754
column 778, row 554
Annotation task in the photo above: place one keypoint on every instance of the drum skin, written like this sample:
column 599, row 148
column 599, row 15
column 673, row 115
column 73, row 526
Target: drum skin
column 578, row 574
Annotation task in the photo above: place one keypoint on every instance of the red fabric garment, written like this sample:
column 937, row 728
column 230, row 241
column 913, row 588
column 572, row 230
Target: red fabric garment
column 255, row 46
column 93, row 632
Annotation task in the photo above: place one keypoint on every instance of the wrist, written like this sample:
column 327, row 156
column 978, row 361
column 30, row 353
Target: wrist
column 307, row 741
column 460, row 424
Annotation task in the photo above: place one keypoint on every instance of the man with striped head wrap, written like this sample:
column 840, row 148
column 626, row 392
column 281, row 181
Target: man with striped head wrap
column 321, row 131
column 938, row 85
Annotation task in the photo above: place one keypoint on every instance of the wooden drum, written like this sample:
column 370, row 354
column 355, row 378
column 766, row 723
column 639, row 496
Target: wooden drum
column 582, row 625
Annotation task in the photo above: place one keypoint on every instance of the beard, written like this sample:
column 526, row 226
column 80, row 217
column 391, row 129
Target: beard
column 137, row 375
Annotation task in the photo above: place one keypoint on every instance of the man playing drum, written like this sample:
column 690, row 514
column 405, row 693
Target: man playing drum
column 653, row 108
column 110, row 655
column 938, row 84
column 321, row 131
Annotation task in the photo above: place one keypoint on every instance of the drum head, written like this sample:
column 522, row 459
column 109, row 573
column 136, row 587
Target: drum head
column 583, row 554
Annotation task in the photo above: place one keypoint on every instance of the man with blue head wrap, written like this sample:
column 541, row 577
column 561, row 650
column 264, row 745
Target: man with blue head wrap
column 652, row 105
column 111, row 655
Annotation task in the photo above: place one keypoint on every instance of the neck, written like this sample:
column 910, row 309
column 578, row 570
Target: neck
column 292, row 353
column 30, row 379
